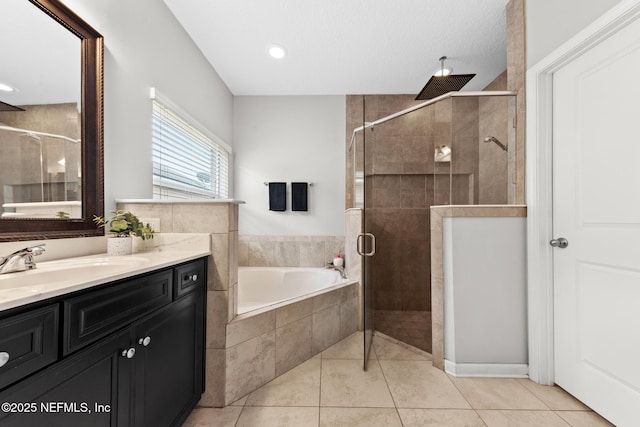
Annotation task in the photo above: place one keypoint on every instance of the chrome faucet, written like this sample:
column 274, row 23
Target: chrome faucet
column 20, row 260
column 341, row 270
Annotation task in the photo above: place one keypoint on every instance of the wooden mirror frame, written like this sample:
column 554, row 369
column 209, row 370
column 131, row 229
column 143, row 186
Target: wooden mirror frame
column 92, row 53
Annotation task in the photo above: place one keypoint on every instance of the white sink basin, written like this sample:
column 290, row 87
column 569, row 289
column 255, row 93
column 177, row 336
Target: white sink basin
column 52, row 272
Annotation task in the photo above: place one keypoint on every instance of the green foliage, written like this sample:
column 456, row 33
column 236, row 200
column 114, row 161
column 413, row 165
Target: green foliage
column 124, row 224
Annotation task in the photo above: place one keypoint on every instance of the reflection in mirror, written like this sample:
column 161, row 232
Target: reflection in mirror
column 40, row 134
column 51, row 173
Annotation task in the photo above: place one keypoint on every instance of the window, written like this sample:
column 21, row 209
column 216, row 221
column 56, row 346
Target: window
column 188, row 161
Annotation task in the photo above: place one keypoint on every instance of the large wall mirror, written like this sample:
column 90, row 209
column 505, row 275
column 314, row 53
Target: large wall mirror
column 51, row 131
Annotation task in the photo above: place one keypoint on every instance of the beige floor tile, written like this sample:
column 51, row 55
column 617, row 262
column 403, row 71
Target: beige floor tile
column 272, row 416
column 554, row 397
column 521, row 419
column 344, row 383
column 583, row 419
column 497, row 393
column 213, row 417
column 351, row 347
column 417, row 384
column 440, row 417
column 359, row 417
column 298, row 387
column 386, row 349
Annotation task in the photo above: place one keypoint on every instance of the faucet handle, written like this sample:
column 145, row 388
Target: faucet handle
column 31, row 250
column 36, row 249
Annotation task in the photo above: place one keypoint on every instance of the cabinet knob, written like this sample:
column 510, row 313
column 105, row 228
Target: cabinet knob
column 192, row 277
column 144, row 341
column 129, row 353
column 4, row 358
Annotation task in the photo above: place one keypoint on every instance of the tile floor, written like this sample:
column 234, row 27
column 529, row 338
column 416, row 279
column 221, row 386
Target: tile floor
column 401, row 388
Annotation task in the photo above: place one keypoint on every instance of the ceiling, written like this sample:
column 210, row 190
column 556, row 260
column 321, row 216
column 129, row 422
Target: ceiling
column 345, row 47
column 40, row 58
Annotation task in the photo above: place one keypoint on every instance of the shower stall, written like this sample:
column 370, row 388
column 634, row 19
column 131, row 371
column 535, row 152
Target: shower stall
column 40, row 161
column 403, row 158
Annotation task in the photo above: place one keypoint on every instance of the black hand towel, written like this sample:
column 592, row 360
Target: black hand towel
column 299, row 192
column 277, row 196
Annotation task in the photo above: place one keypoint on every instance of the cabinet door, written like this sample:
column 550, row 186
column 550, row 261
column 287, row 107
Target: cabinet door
column 28, row 343
column 169, row 368
column 91, row 388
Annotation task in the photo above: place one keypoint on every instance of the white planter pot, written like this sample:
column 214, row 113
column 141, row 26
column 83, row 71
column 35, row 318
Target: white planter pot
column 119, row 246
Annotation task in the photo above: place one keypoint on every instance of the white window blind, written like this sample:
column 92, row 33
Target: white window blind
column 187, row 163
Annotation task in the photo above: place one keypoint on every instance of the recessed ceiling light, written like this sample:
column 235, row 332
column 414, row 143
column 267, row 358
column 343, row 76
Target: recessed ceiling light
column 277, row 52
column 6, row 88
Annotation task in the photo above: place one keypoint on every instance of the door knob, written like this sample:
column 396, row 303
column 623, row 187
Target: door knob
column 560, row 242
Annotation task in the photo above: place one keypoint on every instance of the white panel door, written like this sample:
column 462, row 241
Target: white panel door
column 596, row 207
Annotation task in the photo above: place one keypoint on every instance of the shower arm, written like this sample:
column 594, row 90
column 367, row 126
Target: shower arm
column 33, row 132
column 496, row 141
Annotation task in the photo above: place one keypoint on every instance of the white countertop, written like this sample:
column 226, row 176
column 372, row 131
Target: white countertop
column 55, row 278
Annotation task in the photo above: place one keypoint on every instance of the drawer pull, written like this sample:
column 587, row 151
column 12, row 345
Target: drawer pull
column 192, row 278
column 129, row 353
column 4, row 358
column 144, row 341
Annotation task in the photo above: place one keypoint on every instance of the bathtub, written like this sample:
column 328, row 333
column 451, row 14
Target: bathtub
column 285, row 316
column 260, row 287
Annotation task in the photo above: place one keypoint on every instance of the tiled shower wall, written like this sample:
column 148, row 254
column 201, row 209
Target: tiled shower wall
column 403, row 182
column 288, row 251
column 19, row 160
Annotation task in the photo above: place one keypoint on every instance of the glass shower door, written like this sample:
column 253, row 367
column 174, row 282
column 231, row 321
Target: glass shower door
column 366, row 243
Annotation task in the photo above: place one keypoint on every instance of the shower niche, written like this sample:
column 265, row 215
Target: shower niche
column 406, row 156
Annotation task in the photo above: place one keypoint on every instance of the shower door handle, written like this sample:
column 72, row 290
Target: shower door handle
column 359, row 241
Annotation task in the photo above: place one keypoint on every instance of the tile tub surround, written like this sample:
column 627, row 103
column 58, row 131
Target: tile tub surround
column 288, row 251
column 264, row 344
column 437, row 266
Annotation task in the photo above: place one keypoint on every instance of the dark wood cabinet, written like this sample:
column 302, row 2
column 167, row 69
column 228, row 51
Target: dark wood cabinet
column 28, row 342
column 91, row 388
column 169, row 368
column 145, row 368
column 93, row 315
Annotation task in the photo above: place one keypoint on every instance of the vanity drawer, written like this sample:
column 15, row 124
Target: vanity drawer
column 28, row 342
column 91, row 316
column 189, row 277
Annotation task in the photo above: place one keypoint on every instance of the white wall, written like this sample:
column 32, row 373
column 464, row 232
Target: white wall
column 485, row 317
column 290, row 138
column 146, row 47
column 551, row 22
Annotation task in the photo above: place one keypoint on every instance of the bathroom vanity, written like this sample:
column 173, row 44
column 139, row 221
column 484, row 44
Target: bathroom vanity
column 126, row 351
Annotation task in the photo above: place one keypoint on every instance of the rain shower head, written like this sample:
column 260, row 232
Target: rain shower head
column 496, row 141
column 441, row 84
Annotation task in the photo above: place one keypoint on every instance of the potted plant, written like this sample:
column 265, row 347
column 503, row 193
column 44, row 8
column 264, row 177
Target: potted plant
column 122, row 226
